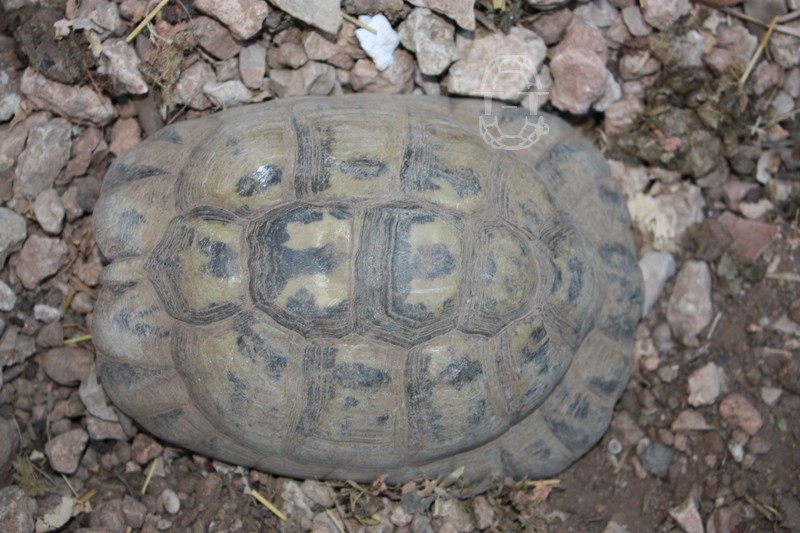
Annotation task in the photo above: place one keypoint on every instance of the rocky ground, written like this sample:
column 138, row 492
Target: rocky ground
column 694, row 103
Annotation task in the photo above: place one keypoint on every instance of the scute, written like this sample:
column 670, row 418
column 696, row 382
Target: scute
column 357, row 286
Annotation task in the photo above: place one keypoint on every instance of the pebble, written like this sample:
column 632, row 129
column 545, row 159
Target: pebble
column 67, row 365
column 615, row 527
column 40, row 258
column 296, row 504
column 172, row 504
column 102, row 429
column 664, row 13
column 400, row 517
column 46, row 153
column 786, row 48
column 690, row 309
column 125, row 134
column 462, row 12
column 579, row 70
column 484, row 513
column 288, row 55
column 103, row 13
column 379, row 46
column 635, row 22
column 189, row 89
column 313, row 78
column 9, row 441
column 82, row 303
column 626, row 429
column 318, row 492
column 133, row 511
column 740, row 413
column 771, row 395
column 657, row 268
column 737, row 451
column 690, row 420
column 336, row 53
column 687, row 516
column 10, row 98
column 46, row 313
column 323, row 14
column 621, row 115
column 657, row 459
column 49, row 211
column 552, row 25
column 215, row 39
column 431, row 38
column 64, row 451
column 750, row 237
column 484, row 68
column 144, row 449
column 253, row 66
column 227, row 93
column 243, row 18
column 705, row 384
column 80, row 104
column 454, row 512
column 7, row 297
column 16, row 510
column 120, row 62
column 83, row 147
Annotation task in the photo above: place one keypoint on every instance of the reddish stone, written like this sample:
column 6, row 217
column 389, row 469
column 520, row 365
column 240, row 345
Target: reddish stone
column 750, row 238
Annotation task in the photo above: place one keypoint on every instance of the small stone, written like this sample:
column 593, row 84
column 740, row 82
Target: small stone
column 144, row 449
column 80, row 104
column 771, row 395
column 614, row 447
column 10, row 97
column 49, row 211
column 792, row 83
column 120, row 62
column 9, row 443
column 400, row 517
column 313, row 78
column 46, row 313
column 626, row 429
column 462, row 12
column 431, row 38
column 296, row 504
column 786, row 48
column 687, row 516
column 243, row 18
column 455, row 513
column 323, row 14
column 737, row 451
column 638, row 65
column 94, row 397
column 103, row 13
column 657, row 268
column 46, row 153
column 484, row 512
column 214, row 38
column 133, row 511
column 16, row 510
column 40, row 258
column 664, row 13
column 502, row 77
column 615, row 527
column 125, row 134
column 318, row 48
column 189, row 89
column 82, row 303
column 64, row 451
column 14, row 232
column 668, row 373
column 552, row 25
column 622, row 115
column 288, row 55
column 750, row 238
column 740, row 413
column 690, row 309
column 690, row 420
column 635, row 22
column 579, row 79
column 228, row 93
column 103, row 429
column 253, row 65
column 705, row 384
column 657, row 459
column 379, row 46
column 318, row 492
column 7, row 297
column 172, row 504
column 67, row 365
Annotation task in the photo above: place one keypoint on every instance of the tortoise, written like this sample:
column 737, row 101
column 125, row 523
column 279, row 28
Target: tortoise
column 345, row 287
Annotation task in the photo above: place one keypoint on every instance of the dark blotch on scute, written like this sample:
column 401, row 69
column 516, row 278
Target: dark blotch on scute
column 381, row 420
column 302, row 303
column 477, row 413
column 169, row 134
column 124, row 320
column 350, row 402
column 221, row 260
column 164, row 422
column 126, row 375
column 363, row 169
column 120, row 173
column 255, row 347
column 460, row 372
column 358, row 375
column 258, row 181
column 575, row 279
column 619, row 257
column 130, row 218
column 439, row 261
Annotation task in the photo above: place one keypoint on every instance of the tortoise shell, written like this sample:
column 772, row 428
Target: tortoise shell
column 352, row 286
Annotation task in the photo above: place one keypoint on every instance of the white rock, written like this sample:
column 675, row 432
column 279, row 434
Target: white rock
column 7, row 297
column 690, row 308
column 379, row 46
column 687, row 516
column 172, row 504
column 56, row 517
column 657, row 268
column 49, row 211
column 46, row 313
column 771, row 395
column 705, row 384
column 664, row 217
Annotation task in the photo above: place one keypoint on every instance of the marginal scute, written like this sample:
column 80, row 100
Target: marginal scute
column 300, row 268
column 197, row 267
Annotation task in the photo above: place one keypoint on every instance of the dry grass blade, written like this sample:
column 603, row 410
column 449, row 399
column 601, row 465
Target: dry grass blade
column 763, row 44
column 268, row 504
column 358, row 23
column 145, row 21
column 76, row 340
column 779, row 28
column 150, row 471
